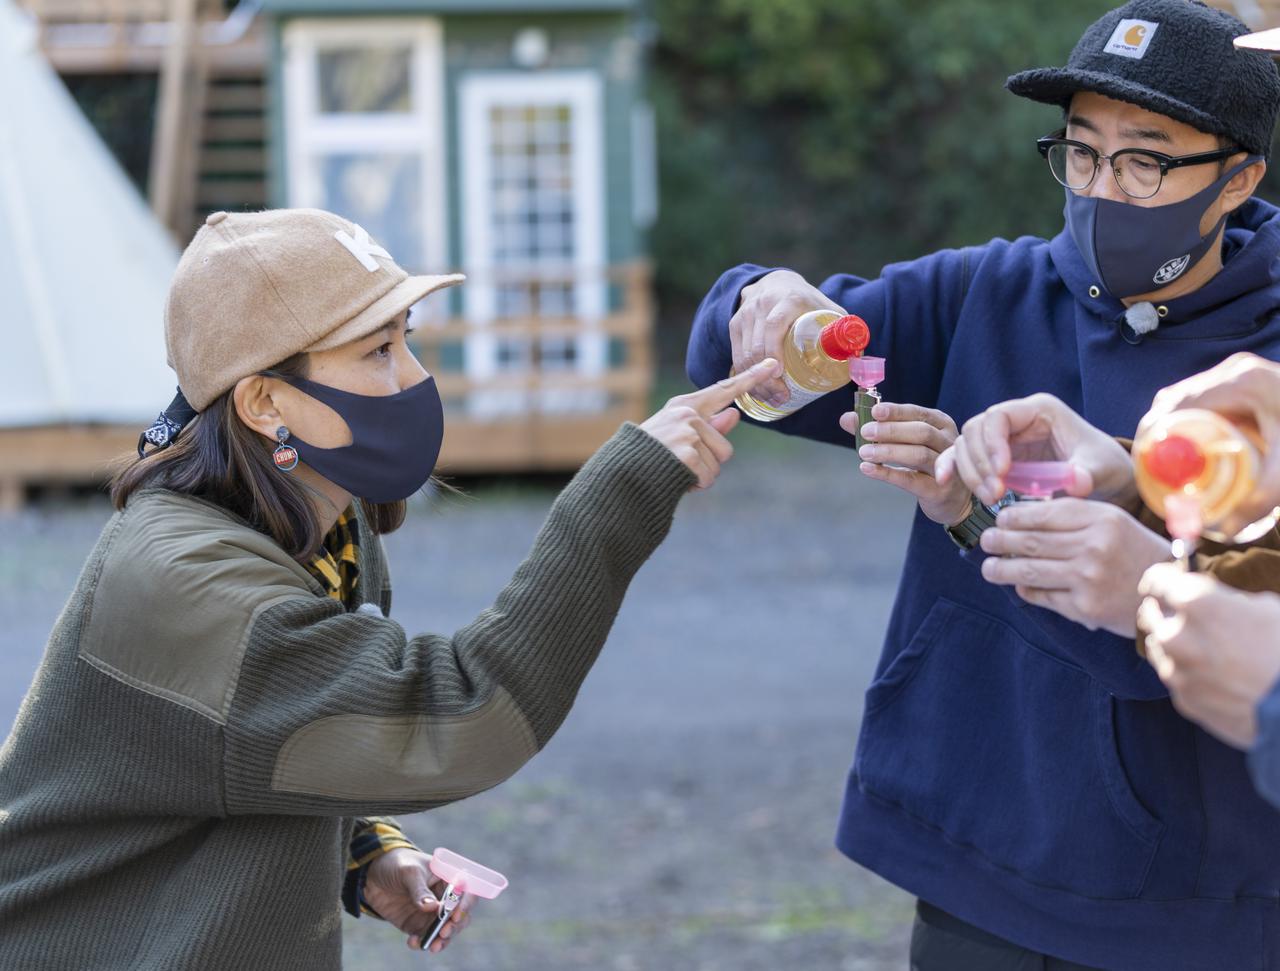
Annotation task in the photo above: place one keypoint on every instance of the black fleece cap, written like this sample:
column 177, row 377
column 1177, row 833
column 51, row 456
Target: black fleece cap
column 1173, row 57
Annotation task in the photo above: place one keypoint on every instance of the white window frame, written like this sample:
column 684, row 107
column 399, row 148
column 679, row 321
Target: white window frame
column 478, row 93
column 311, row 134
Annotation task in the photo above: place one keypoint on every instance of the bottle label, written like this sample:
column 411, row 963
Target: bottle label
column 799, row 397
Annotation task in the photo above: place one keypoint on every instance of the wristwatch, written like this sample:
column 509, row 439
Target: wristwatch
column 966, row 533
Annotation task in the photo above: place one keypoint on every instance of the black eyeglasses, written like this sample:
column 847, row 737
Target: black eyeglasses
column 1138, row 172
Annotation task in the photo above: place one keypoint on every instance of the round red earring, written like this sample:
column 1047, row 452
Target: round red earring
column 285, row 456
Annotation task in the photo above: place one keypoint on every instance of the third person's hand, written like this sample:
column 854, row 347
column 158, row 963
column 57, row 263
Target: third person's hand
column 1207, row 643
column 1246, row 389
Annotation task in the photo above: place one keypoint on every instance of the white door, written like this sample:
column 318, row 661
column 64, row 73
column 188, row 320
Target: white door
column 364, row 130
column 533, row 229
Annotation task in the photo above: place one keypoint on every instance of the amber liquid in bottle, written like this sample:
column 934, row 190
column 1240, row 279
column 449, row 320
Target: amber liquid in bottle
column 815, row 355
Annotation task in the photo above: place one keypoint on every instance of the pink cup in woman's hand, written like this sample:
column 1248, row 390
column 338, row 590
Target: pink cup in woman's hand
column 466, row 876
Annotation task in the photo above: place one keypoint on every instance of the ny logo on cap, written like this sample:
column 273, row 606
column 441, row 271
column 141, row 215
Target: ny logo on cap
column 1131, row 38
column 361, row 247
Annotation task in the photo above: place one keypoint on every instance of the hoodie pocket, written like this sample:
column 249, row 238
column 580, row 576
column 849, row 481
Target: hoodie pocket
column 1008, row 751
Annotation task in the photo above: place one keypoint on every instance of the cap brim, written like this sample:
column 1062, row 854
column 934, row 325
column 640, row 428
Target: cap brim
column 1262, row 40
column 1056, row 85
column 396, row 300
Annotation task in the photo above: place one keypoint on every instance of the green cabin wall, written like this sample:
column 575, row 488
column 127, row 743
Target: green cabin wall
column 603, row 42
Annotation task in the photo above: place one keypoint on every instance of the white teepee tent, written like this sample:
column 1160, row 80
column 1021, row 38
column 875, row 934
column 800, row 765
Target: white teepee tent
column 84, row 266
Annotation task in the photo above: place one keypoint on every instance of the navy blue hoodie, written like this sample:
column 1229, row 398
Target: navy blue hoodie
column 1014, row 768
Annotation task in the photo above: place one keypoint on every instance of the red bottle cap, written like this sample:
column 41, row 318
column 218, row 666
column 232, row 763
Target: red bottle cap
column 845, row 337
column 1175, row 461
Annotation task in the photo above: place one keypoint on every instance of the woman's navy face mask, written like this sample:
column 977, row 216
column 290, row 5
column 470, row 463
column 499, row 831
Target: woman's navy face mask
column 395, row 440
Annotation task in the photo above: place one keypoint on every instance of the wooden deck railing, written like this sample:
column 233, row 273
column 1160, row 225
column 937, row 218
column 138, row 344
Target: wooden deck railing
column 532, row 437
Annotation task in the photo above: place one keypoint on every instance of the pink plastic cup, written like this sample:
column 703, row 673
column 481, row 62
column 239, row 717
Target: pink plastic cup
column 466, row 876
column 1039, row 480
column 866, row 372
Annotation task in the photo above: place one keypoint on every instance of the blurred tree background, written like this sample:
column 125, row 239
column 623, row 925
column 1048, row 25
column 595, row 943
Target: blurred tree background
column 831, row 135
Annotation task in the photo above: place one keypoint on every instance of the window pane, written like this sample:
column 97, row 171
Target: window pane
column 383, row 194
column 558, row 354
column 514, row 355
column 531, row 186
column 372, row 79
column 534, row 220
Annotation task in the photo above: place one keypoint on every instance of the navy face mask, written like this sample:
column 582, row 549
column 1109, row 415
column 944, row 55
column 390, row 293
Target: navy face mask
column 1134, row 249
column 395, row 440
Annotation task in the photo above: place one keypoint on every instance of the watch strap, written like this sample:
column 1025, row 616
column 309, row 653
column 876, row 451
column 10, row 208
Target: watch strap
column 966, row 533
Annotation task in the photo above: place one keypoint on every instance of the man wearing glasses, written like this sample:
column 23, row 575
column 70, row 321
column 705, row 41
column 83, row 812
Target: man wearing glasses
column 1020, row 767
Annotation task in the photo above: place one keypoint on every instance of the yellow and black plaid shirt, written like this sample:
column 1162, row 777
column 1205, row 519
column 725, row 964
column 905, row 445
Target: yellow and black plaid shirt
column 337, row 568
column 373, row 836
column 337, row 565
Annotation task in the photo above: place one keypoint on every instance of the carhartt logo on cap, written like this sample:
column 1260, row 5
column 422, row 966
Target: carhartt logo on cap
column 1131, row 38
column 362, row 247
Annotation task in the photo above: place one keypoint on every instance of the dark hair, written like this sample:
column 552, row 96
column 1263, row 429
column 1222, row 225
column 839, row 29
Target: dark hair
column 221, row 460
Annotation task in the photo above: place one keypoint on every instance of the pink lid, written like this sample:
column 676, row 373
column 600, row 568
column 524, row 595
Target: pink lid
column 866, row 372
column 465, row 875
column 1182, row 516
column 1039, row 478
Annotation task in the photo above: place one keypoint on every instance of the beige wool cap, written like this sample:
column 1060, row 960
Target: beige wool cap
column 255, row 288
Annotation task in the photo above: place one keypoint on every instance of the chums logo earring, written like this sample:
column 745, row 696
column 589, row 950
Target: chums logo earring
column 285, row 456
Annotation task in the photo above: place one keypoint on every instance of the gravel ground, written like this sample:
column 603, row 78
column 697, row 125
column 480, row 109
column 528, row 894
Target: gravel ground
column 683, row 816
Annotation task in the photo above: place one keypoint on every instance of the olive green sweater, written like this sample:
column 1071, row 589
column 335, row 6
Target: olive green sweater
column 178, row 786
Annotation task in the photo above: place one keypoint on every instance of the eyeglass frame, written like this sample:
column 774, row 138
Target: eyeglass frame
column 1166, row 162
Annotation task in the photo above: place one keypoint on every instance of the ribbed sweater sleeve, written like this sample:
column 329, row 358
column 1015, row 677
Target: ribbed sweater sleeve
column 347, row 713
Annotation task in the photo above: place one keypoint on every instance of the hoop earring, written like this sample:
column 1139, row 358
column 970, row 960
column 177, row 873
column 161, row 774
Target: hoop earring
column 285, row 456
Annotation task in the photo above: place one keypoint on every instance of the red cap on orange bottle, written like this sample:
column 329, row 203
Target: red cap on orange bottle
column 1175, row 460
column 845, row 337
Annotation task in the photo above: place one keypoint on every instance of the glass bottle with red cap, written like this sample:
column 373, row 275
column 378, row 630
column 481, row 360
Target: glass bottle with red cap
column 1195, row 468
column 815, row 353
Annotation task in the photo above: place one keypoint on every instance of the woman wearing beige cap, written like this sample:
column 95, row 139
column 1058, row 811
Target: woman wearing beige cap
column 224, row 706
